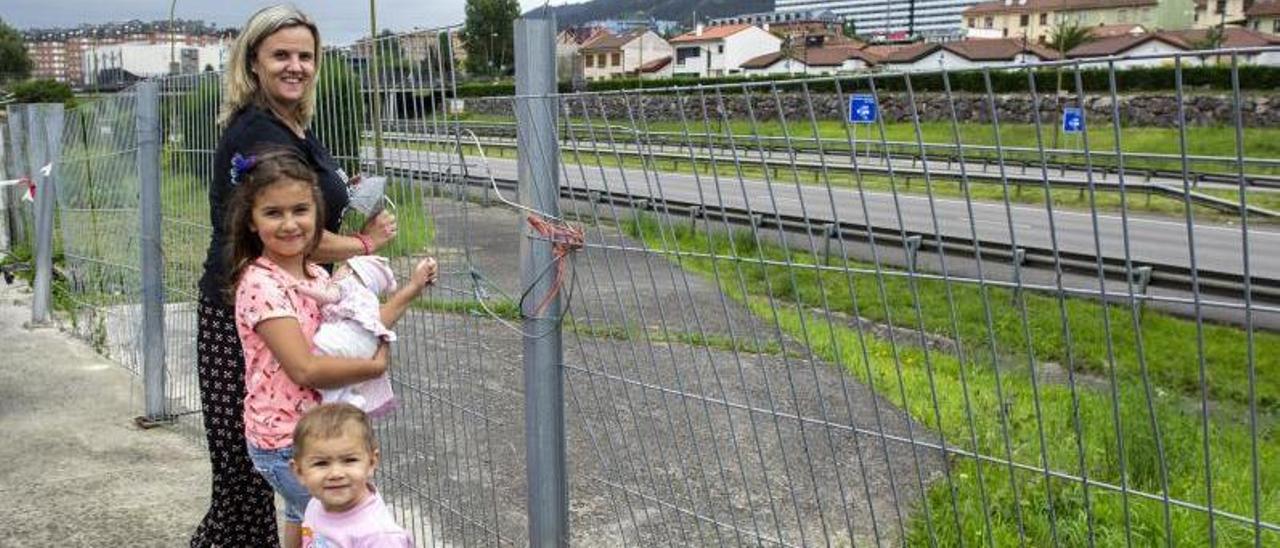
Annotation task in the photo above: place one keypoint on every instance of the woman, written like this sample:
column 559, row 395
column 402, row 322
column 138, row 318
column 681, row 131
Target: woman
column 269, row 98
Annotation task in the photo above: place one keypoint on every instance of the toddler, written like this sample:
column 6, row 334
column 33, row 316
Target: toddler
column 335, row 456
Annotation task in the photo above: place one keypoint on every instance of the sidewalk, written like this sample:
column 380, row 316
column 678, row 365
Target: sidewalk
column 77, row 472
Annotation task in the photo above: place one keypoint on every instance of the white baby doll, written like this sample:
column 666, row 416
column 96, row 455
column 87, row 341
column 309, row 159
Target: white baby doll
column 352, row 328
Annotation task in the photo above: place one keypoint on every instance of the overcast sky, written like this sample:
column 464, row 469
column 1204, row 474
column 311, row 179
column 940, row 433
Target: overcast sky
column 341, row 21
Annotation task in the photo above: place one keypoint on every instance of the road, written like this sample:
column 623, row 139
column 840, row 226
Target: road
column 1155, row 241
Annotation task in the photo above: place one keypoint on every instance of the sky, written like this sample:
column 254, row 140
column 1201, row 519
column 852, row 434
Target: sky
column 340, row 21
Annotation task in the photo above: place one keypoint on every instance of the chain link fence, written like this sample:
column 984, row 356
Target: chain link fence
column 866, row 310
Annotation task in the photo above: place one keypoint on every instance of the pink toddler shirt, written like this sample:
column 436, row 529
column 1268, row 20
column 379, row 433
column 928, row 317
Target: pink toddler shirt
column 368, row 525
column 273, row 403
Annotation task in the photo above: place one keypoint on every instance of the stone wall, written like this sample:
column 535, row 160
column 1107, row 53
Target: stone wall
column 1259, row 110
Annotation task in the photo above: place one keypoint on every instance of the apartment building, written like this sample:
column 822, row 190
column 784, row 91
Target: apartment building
column 1035, row 19
column 68, row 55
column 934, row 20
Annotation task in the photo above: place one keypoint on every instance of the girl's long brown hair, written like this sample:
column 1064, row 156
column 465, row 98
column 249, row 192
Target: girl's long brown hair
column 273, row 164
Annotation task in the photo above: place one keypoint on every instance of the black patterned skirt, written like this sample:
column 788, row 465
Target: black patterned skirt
column 242, row 506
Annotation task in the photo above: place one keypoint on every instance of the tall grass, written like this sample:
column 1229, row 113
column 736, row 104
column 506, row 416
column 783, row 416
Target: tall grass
column 991, row 395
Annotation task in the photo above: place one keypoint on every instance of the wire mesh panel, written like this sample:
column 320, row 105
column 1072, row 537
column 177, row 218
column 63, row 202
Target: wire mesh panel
column 764, row 344
column 994, row 306
column 98, row 225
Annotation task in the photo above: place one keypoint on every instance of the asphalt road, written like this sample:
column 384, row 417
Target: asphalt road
column 1159, row 241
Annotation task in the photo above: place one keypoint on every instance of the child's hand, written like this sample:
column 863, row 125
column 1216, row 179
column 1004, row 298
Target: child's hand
column 381, row 358
column 424, row 274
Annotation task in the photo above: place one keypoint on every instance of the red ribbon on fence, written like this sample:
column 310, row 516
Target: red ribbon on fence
column 565, row 239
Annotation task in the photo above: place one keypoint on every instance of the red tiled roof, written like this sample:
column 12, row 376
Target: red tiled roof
column 1120, row 44
column 608, row 41
column 711, row 33
column 1232, row 37
column 1120, row 29
column 813, row 57
column 655, row 65
column 997, row 49
column 1032, row 6
column 1264, row 9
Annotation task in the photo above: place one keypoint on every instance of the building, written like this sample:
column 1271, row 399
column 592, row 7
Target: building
column 149, row 60
column 968, row 53
column 776, row 17
column 640, row 52
column 933, row 20
column 1036, row 19
column 720, row 50
column 1158, row 48
column 1221, row 12
column 60, row 54
column 568, row 42
column 1264, row 17
column 818, row 61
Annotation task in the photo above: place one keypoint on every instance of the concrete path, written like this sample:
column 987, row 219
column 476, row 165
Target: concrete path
column 77, row 471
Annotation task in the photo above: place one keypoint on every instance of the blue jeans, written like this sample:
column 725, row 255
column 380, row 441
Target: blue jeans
column 273, row 466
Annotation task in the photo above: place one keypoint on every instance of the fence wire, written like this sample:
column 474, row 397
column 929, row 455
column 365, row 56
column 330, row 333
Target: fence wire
column 954, row 324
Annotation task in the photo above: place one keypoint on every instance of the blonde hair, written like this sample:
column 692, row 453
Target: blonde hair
column 331, row 420
column 241, row 86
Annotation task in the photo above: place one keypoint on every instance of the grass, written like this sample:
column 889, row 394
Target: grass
column 977, row 403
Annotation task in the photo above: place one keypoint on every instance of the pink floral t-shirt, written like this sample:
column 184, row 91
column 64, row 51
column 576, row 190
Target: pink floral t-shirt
column 273, row 403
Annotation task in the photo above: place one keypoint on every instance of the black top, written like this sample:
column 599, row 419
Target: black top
column 250, row 129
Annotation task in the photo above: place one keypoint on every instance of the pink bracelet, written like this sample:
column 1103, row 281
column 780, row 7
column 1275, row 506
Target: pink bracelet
column 366, row 242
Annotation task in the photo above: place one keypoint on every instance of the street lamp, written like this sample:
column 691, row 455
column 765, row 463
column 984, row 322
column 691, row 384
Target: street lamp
column 492, row 68
column 173, row 60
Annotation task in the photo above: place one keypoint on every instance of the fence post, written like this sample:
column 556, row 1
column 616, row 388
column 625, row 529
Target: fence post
column 538, row 162
column 44, row 145
column 147, row 122
column 6, row 202
column 15, row 163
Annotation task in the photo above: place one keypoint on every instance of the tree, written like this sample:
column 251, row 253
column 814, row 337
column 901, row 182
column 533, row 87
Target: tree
column 489, row 35
column 15, row 64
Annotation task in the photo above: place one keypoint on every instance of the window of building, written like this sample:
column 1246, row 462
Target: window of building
column 591, row 60
column 720, row 48
column 989, row 22
column 1275, row 26
column 600, row 59
column 616, row 59
column 1044, row 19
column 1221, row 5
column 1024, row 20
column 686, row 53
column 973, row 22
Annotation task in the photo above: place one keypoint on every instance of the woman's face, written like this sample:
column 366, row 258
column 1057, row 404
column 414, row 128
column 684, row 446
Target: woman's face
column 285, row 63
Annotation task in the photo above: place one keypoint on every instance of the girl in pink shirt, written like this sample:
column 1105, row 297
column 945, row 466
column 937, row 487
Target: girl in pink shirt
column 273, row 218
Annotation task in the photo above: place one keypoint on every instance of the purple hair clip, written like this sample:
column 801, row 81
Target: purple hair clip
column 240, row 165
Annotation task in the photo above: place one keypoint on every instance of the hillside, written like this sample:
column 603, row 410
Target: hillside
column 671, row 10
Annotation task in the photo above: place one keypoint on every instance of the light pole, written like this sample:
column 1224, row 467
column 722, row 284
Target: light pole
column 493, row 69
column 173, row 60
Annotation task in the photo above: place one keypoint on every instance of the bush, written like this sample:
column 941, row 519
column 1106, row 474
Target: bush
column 1217, row 78
column 42, row 91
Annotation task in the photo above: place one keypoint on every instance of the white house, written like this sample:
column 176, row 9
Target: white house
column 1158, row 43
column 813, row 61
column 721, row 50
column 969, row 53
column 637, row 52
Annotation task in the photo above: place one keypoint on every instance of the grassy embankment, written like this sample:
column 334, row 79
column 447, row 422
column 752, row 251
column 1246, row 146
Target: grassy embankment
column 994, row 391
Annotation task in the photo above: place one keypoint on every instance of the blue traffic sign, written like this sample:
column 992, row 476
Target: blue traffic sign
column 1072, row 120
column 863, row 109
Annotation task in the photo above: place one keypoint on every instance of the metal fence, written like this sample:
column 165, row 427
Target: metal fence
column 736, row 319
